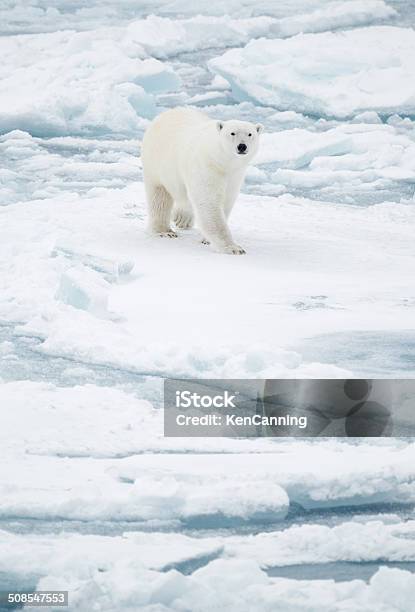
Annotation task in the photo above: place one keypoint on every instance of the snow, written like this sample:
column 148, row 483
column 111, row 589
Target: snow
column 329, row 73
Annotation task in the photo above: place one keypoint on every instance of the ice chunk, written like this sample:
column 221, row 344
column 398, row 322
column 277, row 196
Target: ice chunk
column 346, row 481
column 333, row 74
column 362, row 155
column 155, row 550
column 110, row 268
column 85, row 289
column 296, row 148
column 365, row 540
column 32, row 168
column 367, row 117
column 209, row 97
column 219, row 82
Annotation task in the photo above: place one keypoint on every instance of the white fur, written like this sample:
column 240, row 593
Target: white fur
column 192, row 162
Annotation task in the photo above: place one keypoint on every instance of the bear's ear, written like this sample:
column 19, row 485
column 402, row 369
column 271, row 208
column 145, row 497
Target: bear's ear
column 219, row 125
column 259, row 128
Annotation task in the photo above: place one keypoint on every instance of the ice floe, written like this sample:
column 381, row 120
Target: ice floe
column 150, row 563
column 118, row 575
column 114, row 439
column 330, row 73
column 328, row 249
column 77, row 82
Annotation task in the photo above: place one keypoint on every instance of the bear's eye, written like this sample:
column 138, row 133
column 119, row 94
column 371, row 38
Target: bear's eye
column 249, row 134
column 232, row 133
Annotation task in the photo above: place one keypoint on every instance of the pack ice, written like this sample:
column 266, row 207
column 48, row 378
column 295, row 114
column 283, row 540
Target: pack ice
column 93, row 312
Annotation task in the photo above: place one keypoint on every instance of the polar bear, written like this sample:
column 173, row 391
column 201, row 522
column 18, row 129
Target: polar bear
column 193, row 169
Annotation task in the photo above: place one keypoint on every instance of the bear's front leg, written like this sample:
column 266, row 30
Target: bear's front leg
column 212, row 223
column 210, row 215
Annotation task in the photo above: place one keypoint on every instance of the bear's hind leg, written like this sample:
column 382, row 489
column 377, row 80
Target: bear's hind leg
column 160, row 204
column 183, row 217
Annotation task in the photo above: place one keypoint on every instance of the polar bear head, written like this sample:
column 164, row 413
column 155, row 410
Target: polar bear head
column 239, row 138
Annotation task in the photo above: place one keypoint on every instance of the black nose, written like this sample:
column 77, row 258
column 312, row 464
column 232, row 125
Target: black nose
column 242, row 148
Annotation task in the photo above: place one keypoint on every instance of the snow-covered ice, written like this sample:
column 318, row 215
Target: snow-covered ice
column 93, row 311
